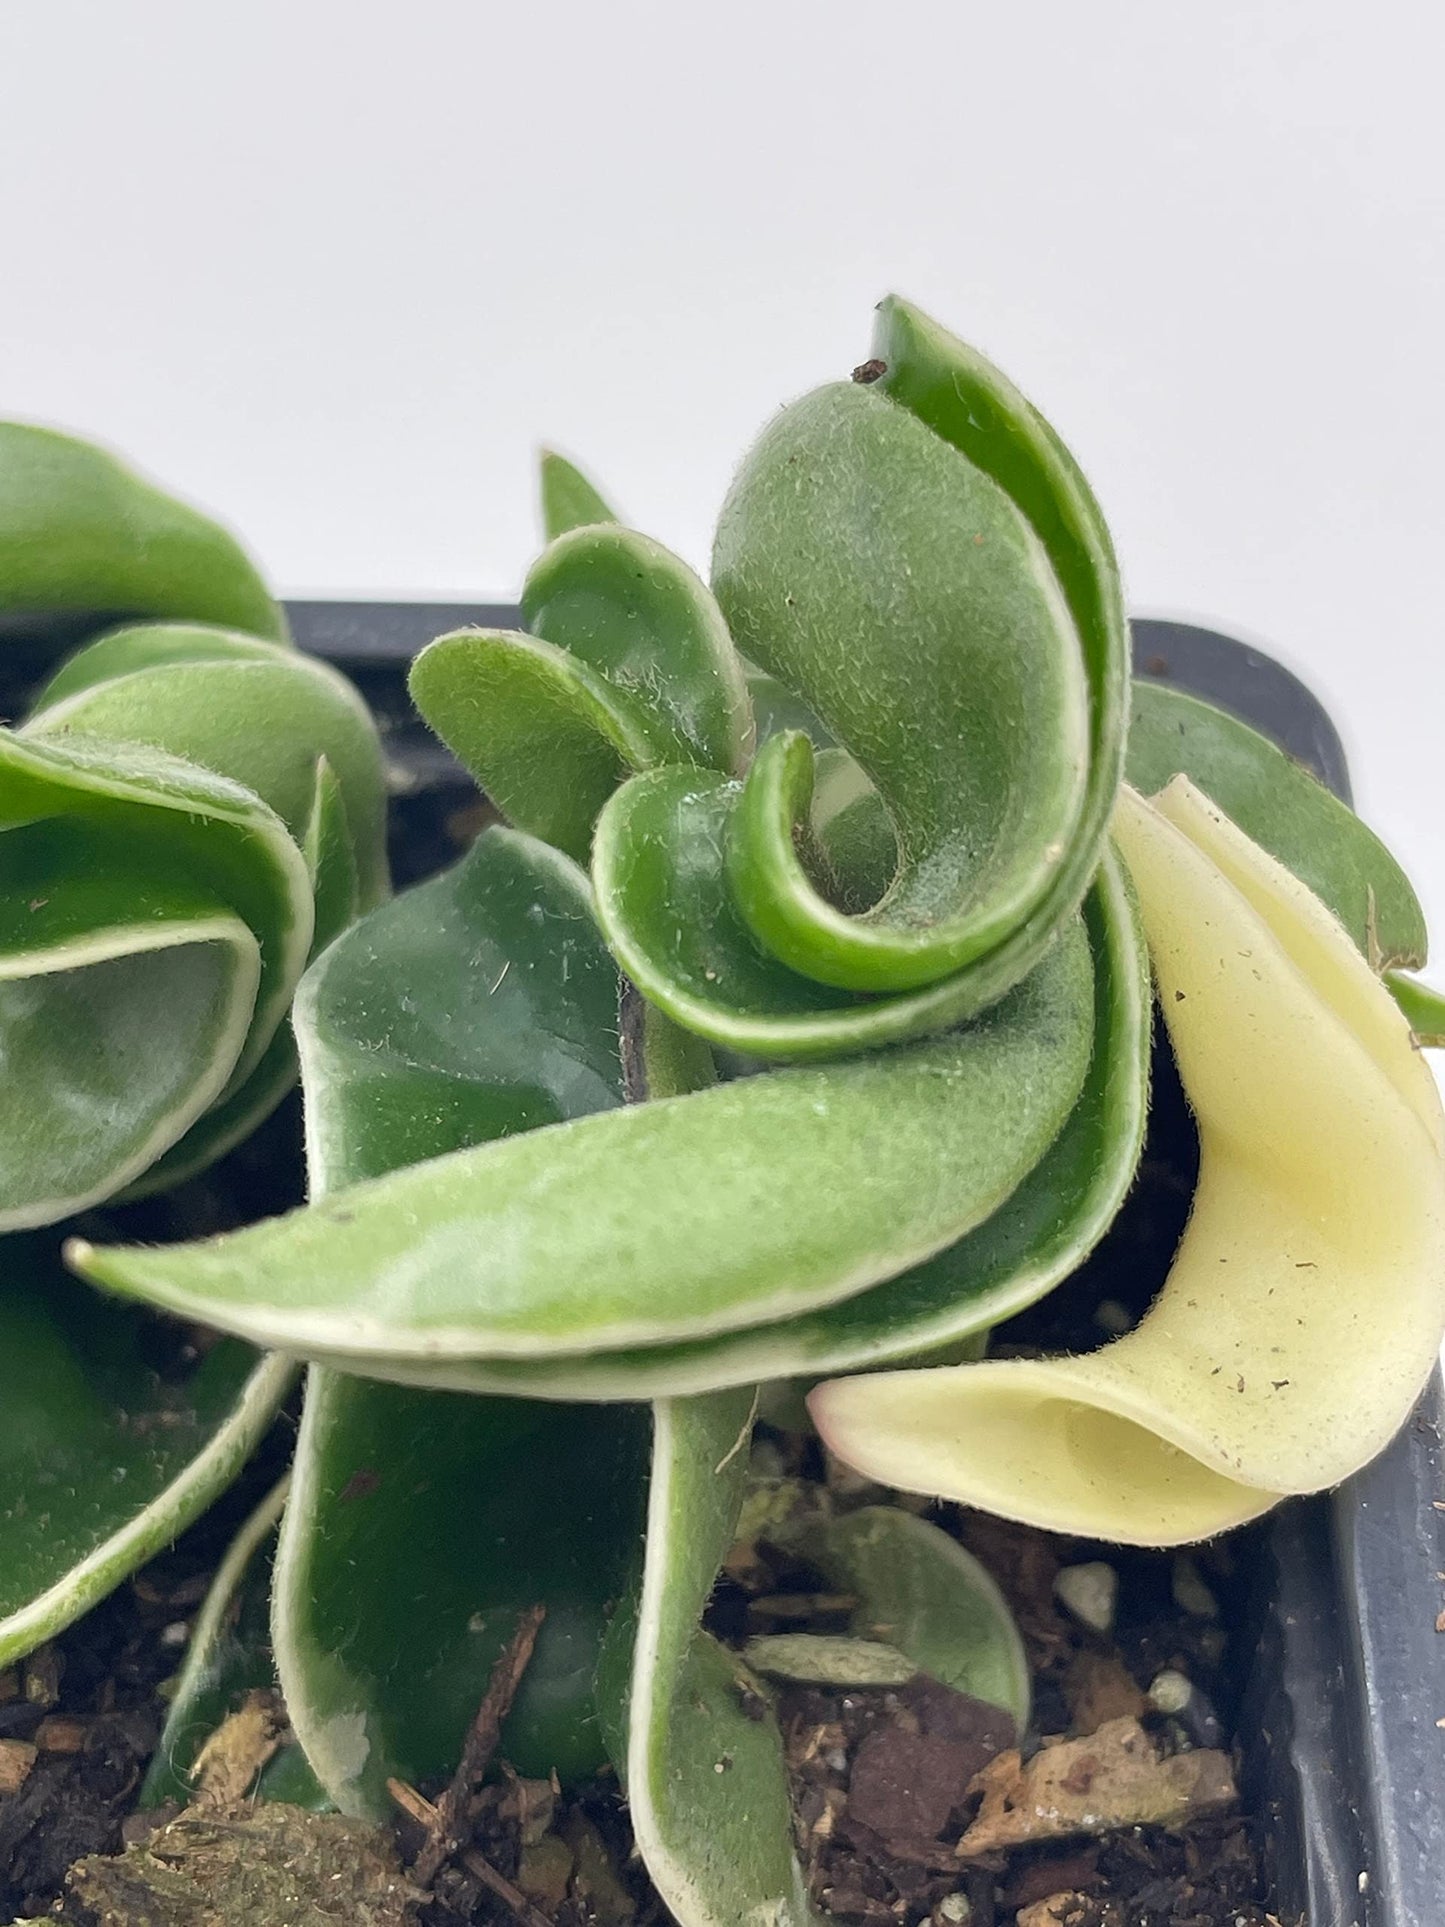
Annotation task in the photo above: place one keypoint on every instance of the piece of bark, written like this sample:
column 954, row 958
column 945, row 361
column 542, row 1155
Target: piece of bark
column 907, row 1784
column 1112, row 1779
column 1098, row 1687
column 16, row 1759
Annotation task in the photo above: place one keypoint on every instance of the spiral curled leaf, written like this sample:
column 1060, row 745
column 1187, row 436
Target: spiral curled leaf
column 936, row 586
column 156, row 813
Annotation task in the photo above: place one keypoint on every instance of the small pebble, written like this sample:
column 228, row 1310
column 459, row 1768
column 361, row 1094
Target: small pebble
column 955, row 1909
column 176, row 1634
column 1113, row 1317
column 1090, row 1592
column 1191, row 1595
column 1170, row 1692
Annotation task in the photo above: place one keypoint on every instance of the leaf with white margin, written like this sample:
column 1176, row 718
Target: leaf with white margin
column 1038, row 1236
column 102, row 1463
column 919, row 1590
column 1287, row 811
column 676, row 1219
column 706, row 1785
column 134, row 881
column 480, row 1003
column 206, row 828
column 331, row 861
column 257, row 712
column 1305, row 1305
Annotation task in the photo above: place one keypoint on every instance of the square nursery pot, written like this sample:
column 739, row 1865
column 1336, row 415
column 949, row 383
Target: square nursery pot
column 1342, row 1717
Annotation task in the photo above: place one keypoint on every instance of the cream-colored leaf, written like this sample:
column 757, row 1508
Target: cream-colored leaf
column 1306, row 1303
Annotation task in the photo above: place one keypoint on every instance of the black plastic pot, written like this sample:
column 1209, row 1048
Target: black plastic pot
column 1343, row 1720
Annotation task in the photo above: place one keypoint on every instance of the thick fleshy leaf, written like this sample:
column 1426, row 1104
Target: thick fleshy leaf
column 1286, row 811
column 462, row 1512
column 104, row 1459
column 254, row 711
column 676, row 1219
column 569, row 500
column 917, row 1589
column 190, row 752
column 473, row 1007
column 476, row 1005
column 331, row 861
column 93, row 1089
column 1037, row 1237
column 947, row 607
column 706, row 1785
column 637, row 615
column 83, row 536
column 135, row 882
column 1305, row 1305
column 228, row 1656
column 627, row 663
column 541, row 732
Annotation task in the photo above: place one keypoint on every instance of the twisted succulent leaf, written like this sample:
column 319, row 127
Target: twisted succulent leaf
column 678, row 1219
column 626, row 663
column 933, row 580
column 1037, row 1237
column 477, row 1005
column 103, row 1460
column 157, row 814
column 707, row 1787
column 1305, row 1306
column 85, row 542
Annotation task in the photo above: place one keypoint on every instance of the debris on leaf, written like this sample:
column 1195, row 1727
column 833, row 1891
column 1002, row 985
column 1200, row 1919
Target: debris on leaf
column 264, row 1866
column 1112, row 1779
column 824, row 1659
column 228, row 1763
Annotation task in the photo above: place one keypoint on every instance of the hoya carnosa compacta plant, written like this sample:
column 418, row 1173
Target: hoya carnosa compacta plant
column 189, row 811
column 797, row 1023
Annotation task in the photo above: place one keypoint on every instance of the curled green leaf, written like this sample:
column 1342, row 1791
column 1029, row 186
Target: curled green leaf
column 946, row 604
column 125, row 1457
column 153, row 811
column 85, row 541
column 731, row 1207
column 626, row 663
column 706, row 1784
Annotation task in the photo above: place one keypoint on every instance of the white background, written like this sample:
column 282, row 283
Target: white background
column 333, row 270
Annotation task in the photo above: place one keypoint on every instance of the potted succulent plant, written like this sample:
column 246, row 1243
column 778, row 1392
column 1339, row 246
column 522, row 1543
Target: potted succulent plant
column 789, row 1033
